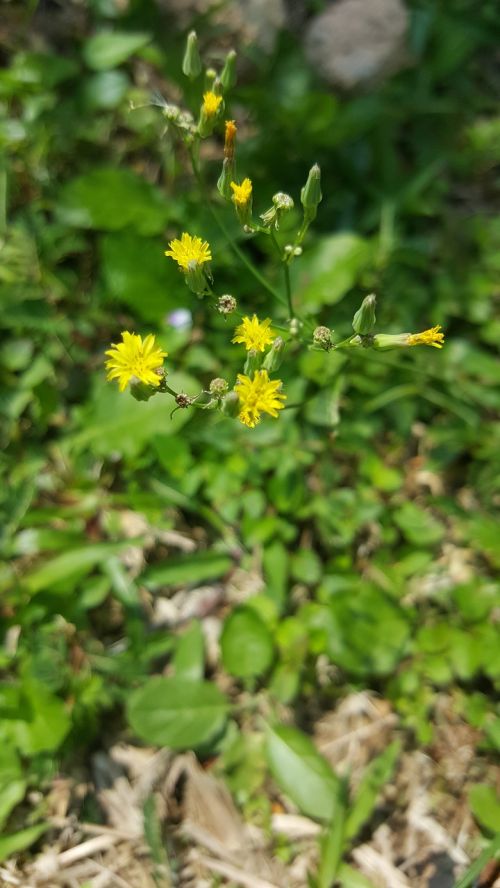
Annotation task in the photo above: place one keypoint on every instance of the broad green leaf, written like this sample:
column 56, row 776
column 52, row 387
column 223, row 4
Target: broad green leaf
column 177, row 713
column 305, row 566
column 198, row 567
column 366, row 631
column 12, row 783
column 20, row 840
column 331, row 268
column 110, row 199
column 137, row 274
column 302, row 773
column 375, row 776
column 351, row 878
column 110, row 48
column 189, row 657
column 485, row 805
column 276, row 567
column 418, row 525
column 47, row 725
column 246, row 644
column 65, row 569
column 114, row 422
column 105, row 89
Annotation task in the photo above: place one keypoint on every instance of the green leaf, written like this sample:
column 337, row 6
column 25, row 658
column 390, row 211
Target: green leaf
column 366, row 631
column 110, row 48
column 351, row 878
column 105, row 89
column 114, row 422
column 110, row 199
column 199, row 567
column 306, row 566
column 332, row 268
column 64, row 570
column 418, row 525
column 137, row 274
column 246, row 644
column 176, row 712
column 302, row 773
column 189, row 657
column 331, row 846
column 485, row 805
column 376, row 775
column 47, row 725
column 12, row 784
column 20, row 840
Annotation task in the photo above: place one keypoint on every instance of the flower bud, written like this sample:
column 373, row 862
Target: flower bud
column 388, row 340
column 142, row 392
column 310, row 194
column 225, row 178
column 253, row 362
column 282, row 203
column 228, row 75
column 322, row 337
column 226, row 304
column 274, row 357
column 191, row 63
column 210, row 76
column 218, row 387
column 295, row 327
column 364, row 320
column 231, row 404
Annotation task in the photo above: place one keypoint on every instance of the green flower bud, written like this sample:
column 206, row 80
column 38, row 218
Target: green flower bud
column 231, row 404
column 310, row 194
column 322, row 336
column 142, row 392
column 191, row 63
column 387, row 340
column 228, row 75
column 210, row 76
column 253, row 362
column 364, row 320
column 218, row 387
column 274, row 357
column 225, row 178
column 282, row 203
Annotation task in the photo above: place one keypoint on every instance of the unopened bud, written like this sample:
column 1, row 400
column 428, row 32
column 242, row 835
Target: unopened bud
column 282, row 203
column 191, row 63
column 218, row 387
column 310, row 194
column 226, row 304
column 225, row 178
column 253, row 362
column 274, row 357
column 322, row 336
column 363, row 321
column 228, row 75
column 210, row 75
column 295, row 326
column 231, row 404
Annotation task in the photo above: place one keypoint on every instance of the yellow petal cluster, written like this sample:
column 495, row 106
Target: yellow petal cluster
column 254, row 334
column 242, row 193
column 429, row 337
column 134, row 359
column 211, row 103
column 258, row 395
column 189, row 250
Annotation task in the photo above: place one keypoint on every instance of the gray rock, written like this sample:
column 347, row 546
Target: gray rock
column 358, row 42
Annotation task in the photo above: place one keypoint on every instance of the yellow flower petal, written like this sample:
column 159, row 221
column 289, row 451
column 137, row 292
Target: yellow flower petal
column 134, row 360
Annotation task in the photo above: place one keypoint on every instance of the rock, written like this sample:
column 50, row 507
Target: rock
column 357, row 42
column 248, row 22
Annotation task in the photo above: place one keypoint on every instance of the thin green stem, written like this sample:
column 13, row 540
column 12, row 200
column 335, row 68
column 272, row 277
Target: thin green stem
column 288, row 288
column 234, row 246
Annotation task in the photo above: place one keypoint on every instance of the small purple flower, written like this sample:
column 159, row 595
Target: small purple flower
column 180, row 318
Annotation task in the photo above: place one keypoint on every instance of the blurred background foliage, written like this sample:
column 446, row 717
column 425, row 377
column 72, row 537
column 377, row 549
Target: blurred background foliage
column 360, row 530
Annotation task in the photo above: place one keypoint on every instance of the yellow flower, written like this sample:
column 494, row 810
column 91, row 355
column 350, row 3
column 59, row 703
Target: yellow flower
column 429, row 337
column 211, row 103
column 258, row 395
column 135, row 360
column 242, row 193
column 254, row 333
column 189, row 250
